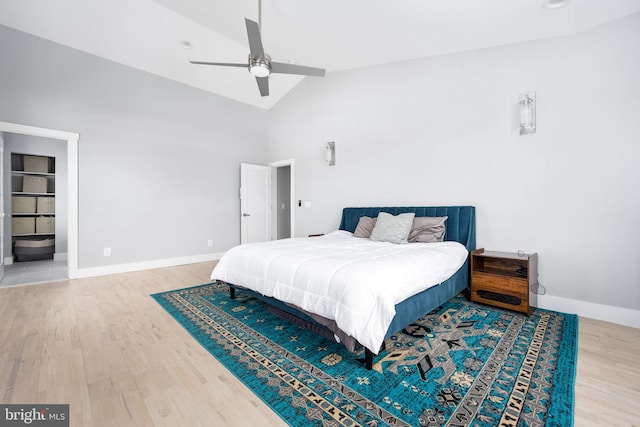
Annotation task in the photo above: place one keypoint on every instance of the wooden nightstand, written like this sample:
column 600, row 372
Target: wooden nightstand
column 504, row 279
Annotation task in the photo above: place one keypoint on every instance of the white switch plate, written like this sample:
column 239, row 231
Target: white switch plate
column 107, row 251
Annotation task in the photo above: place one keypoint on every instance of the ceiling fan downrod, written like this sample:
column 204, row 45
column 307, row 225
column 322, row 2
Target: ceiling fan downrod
column 260, row 16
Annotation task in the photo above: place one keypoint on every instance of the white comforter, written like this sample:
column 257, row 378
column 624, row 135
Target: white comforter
column 354, row 281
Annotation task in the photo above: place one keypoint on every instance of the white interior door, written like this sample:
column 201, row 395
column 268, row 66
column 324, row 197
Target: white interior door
column 255, row 203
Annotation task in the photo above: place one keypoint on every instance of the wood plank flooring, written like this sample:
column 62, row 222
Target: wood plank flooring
column 106, row 348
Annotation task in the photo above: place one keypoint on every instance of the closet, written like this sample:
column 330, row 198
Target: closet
column 33, row 207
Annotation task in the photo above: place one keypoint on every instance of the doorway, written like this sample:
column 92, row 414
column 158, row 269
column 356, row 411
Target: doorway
column 266, row 201
column 71, row 142
column 282, row 199
column 34, row 172
column 283, row 203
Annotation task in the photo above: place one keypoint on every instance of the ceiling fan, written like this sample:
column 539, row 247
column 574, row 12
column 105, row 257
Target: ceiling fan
column 259, row 63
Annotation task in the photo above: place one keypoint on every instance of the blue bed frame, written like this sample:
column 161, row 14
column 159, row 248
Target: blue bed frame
column 460, row 227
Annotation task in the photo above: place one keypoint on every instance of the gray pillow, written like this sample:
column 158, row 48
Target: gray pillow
column 427, row 229
column 392, row 229
column 364, row 227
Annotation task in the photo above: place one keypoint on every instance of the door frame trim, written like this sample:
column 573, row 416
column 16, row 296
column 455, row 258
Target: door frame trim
column 72, row 140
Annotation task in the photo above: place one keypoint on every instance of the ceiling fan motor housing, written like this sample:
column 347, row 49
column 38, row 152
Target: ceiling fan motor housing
column 260, row 66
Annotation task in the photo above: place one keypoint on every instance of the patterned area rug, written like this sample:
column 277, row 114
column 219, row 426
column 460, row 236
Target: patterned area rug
column 461, row 365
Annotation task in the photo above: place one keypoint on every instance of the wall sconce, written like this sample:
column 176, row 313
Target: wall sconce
column 527, row 113
column 554, row 4
column 330, row 154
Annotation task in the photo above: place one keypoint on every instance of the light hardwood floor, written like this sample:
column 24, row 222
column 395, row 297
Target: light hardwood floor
column 106, row 348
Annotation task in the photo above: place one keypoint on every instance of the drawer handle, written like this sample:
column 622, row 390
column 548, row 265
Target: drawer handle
column 494, row 296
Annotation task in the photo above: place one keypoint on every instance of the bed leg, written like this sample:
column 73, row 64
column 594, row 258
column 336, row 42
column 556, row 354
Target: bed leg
column 232, row 292
column 368, row 359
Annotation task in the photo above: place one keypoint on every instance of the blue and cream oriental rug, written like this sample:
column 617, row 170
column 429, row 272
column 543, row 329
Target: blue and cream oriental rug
column 461, row 365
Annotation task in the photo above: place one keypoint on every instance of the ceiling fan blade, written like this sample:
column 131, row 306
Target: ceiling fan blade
column 223, row 64
column 263, row 85
column 255, row 42
column 282, row 68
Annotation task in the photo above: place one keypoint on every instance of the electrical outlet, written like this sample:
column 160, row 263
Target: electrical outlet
column 210, row 243
column 107, row 251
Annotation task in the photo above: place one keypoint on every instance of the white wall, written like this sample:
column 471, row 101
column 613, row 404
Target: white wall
column 158, row 160
column 444, row 131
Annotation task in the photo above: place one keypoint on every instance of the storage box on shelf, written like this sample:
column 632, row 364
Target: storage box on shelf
column 45, row 225
column 34, row 184
column 46, row 205
column 23, row 204
column 37, row 164
column 23, row 226
column 504, row 279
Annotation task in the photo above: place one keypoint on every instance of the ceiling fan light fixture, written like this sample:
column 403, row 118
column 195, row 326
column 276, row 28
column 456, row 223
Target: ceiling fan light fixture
column 260, row 67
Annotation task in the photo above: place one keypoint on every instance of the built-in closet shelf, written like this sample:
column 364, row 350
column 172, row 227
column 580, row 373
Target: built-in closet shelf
column 33, row 184
column 22, row 193
column 21, row 173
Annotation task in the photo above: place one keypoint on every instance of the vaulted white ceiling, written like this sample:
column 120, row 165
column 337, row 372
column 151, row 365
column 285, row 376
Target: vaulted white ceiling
column 331, row 34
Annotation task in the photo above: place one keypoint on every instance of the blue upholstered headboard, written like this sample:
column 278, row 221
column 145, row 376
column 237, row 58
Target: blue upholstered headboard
column 461, row 224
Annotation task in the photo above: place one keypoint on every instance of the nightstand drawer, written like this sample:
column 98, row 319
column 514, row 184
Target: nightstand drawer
column 505, row 292
column 498, row 284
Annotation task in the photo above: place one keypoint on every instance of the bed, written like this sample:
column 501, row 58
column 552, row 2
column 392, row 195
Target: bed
column 253, row 268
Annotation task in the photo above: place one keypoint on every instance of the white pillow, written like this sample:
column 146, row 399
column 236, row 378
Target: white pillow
column 392, row 229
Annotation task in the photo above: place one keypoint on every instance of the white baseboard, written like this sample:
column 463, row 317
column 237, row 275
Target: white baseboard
column 608, row 313
column 144, row 265
column 8, row 260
